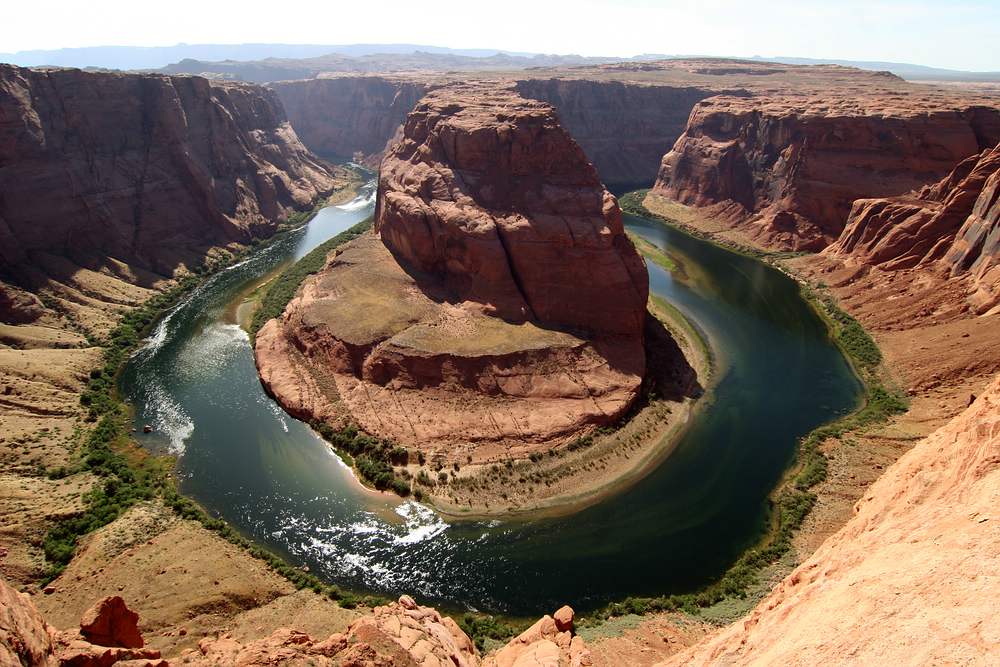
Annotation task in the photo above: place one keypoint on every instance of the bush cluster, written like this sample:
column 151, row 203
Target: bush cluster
column 372, row 457
column 482, row 627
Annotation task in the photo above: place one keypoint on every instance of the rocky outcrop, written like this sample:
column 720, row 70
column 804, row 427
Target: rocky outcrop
column 402, row 634
column 550, row 641
column 910, row 578
column 487, row 191
column 950, row 228
column 27, row 639
column 18, row 306
column 788, row 168
column 145, row 169
column 623, row 127
column 111, row 623
column 344, row 116
column 501, row 307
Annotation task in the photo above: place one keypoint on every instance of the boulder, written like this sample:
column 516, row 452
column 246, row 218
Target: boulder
column 111, row 623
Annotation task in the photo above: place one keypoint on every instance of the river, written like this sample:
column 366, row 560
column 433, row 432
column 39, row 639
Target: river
column 243, row 459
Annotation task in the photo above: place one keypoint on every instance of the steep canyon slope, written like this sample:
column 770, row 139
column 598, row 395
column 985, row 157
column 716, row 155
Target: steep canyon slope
column 112, row 185
column 502, row 304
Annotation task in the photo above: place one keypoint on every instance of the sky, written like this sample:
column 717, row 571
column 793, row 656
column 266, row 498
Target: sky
column 964, row 34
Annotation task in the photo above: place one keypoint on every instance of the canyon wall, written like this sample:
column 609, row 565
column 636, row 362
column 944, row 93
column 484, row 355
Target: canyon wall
column 788, row 168
column 501, row 308
column 146, row 169
column 624, row 128
column 951, row 227
column 338, row 117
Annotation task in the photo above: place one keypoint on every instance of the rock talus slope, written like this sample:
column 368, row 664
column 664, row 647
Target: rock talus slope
column 500, row 302
column 146, row 169
column 909, row 580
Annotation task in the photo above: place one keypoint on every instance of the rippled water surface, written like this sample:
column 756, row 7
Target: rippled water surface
column 245, row 460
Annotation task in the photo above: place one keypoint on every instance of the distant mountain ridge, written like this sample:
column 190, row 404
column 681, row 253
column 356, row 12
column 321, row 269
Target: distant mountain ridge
column 222, row 59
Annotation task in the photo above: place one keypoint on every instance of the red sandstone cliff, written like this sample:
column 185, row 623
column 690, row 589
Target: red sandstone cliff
column 146, row 169
column 788, row 167
column 501, row 307
column 506, row 207
column 952, row 227
column 339, row 117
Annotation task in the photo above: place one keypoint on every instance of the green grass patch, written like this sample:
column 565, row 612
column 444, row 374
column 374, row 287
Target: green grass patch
column 284, row 287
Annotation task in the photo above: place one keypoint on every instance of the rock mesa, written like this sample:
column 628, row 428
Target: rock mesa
column 499, row 301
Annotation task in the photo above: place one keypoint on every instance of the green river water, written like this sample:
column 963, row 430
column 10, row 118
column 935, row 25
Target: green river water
column 241, row 457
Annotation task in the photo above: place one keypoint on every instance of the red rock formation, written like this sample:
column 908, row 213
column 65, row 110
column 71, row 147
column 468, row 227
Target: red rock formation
column 911, row 579
column 151, row 170
column 487, row 191
column 26, row 639
column 788, row 168
column 403, row 634
column 952, row 228
column 339, row 117
column 510, row 311
column 111, row 623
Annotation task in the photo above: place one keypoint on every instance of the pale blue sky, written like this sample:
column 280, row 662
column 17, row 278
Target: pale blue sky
column 961, row 35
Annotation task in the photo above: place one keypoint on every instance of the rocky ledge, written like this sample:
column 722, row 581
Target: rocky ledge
column 498, row 306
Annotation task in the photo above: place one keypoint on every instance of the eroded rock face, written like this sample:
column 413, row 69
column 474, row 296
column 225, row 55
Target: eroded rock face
column 501, row 307
column 151, row 170
column 951, row 227
column 108, row 636
column 487, row 191
column 624, row 128
column 788, row 168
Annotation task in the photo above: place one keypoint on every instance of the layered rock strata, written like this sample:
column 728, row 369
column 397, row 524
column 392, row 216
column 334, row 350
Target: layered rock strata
column 500, row 306
column 788, row 168
column 149, row 170
column 951, row 228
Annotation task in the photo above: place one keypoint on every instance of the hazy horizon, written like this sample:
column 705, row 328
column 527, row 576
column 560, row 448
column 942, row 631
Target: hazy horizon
column 920, row 32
